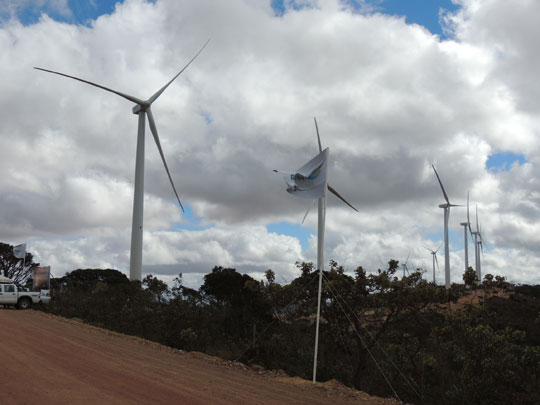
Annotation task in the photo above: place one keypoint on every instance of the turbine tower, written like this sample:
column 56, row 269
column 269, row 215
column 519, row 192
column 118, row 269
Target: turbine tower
column 446, row 208
column 466, row 225
column 311, row 181
column 434, row 257
column 478, row 247
column 142, row 109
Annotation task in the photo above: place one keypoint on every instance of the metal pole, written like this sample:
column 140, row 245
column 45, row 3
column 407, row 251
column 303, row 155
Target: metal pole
column 320, row 266
column 466, row 245
column 135, row 260
column 433, row 254
column 479, row 264
column 446, row 249
column 476, row 256
column 24, row 264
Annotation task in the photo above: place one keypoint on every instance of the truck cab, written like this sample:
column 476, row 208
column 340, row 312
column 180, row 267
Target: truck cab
column 11, row 295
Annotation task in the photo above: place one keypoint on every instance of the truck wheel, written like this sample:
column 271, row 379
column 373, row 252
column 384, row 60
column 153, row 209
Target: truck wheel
column 24, row 303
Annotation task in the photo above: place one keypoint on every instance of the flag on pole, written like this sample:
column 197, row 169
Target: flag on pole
column 310, row 180
column 19, row 251
column 41, row 278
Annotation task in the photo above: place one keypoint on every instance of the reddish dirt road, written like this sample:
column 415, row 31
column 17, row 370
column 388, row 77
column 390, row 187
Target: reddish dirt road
column 52, row 360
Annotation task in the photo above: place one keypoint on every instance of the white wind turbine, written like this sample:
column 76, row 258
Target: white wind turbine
column 142, row 108
column 466, row 225
column 300, row 183
column 446, row 208
column 404, row 265
column 434, row 257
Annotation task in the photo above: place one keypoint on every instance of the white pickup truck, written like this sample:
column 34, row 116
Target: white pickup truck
column 10, row 294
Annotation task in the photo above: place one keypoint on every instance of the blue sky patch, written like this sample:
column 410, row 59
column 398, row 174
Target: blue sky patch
column 298, row 231
column 421, row 12
column 77, row 12
column 502, row 162
column 280, row 7
column 207, row 117
column 191, row 222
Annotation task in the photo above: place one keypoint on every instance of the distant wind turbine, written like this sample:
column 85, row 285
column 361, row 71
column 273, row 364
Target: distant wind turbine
column 434, row 257
column 404, row 265
column 142, row 108
column 446, row 208
column 311, row 181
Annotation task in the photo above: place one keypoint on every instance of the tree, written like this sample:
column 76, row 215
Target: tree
column 270, row 276
column 159, row 290
column 12, row 267
column 488, row 281
column 239, row 296
column 470, row 278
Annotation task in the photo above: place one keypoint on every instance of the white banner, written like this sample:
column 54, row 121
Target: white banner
column 310, row 180
column 19, row 251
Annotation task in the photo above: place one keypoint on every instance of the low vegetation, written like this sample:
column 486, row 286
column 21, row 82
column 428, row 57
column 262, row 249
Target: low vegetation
column 380, row 334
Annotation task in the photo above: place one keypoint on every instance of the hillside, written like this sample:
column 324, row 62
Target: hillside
column 55, row 360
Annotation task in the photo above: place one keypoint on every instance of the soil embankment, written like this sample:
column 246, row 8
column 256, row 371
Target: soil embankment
column 52, row 360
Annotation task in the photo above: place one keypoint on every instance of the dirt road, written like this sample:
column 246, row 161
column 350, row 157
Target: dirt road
column 52, row 360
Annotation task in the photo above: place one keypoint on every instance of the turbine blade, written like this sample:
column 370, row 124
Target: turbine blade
column 318, row 137
column 406, row 260
column 427, row 249
column 126, row 96
column 476, row 217
column 331, row 189
column 310, row 206
column 438, row 248
column 158, row 93
column 153, row 128
column 442, row 187
column 437, row 262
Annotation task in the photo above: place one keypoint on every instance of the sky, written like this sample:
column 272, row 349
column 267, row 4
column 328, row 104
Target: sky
column 396, row 86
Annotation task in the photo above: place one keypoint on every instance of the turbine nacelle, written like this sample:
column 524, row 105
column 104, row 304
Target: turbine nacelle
column 449, row 205
column 137, row 108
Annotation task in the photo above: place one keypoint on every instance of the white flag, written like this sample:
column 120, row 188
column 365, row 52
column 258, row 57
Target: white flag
column 310, row 180
column 19, row 251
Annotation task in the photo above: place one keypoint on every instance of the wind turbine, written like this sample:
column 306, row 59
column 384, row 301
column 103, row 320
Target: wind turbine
column 141, row 108
column 310, row 182
column 466, row 225
column 446, row 208
column 434, row 257
column 404, row 265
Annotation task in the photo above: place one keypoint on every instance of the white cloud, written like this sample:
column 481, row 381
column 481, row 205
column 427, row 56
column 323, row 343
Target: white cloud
column 390, row 99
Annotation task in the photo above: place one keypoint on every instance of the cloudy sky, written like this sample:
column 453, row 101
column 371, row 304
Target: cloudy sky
column 394, row 88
